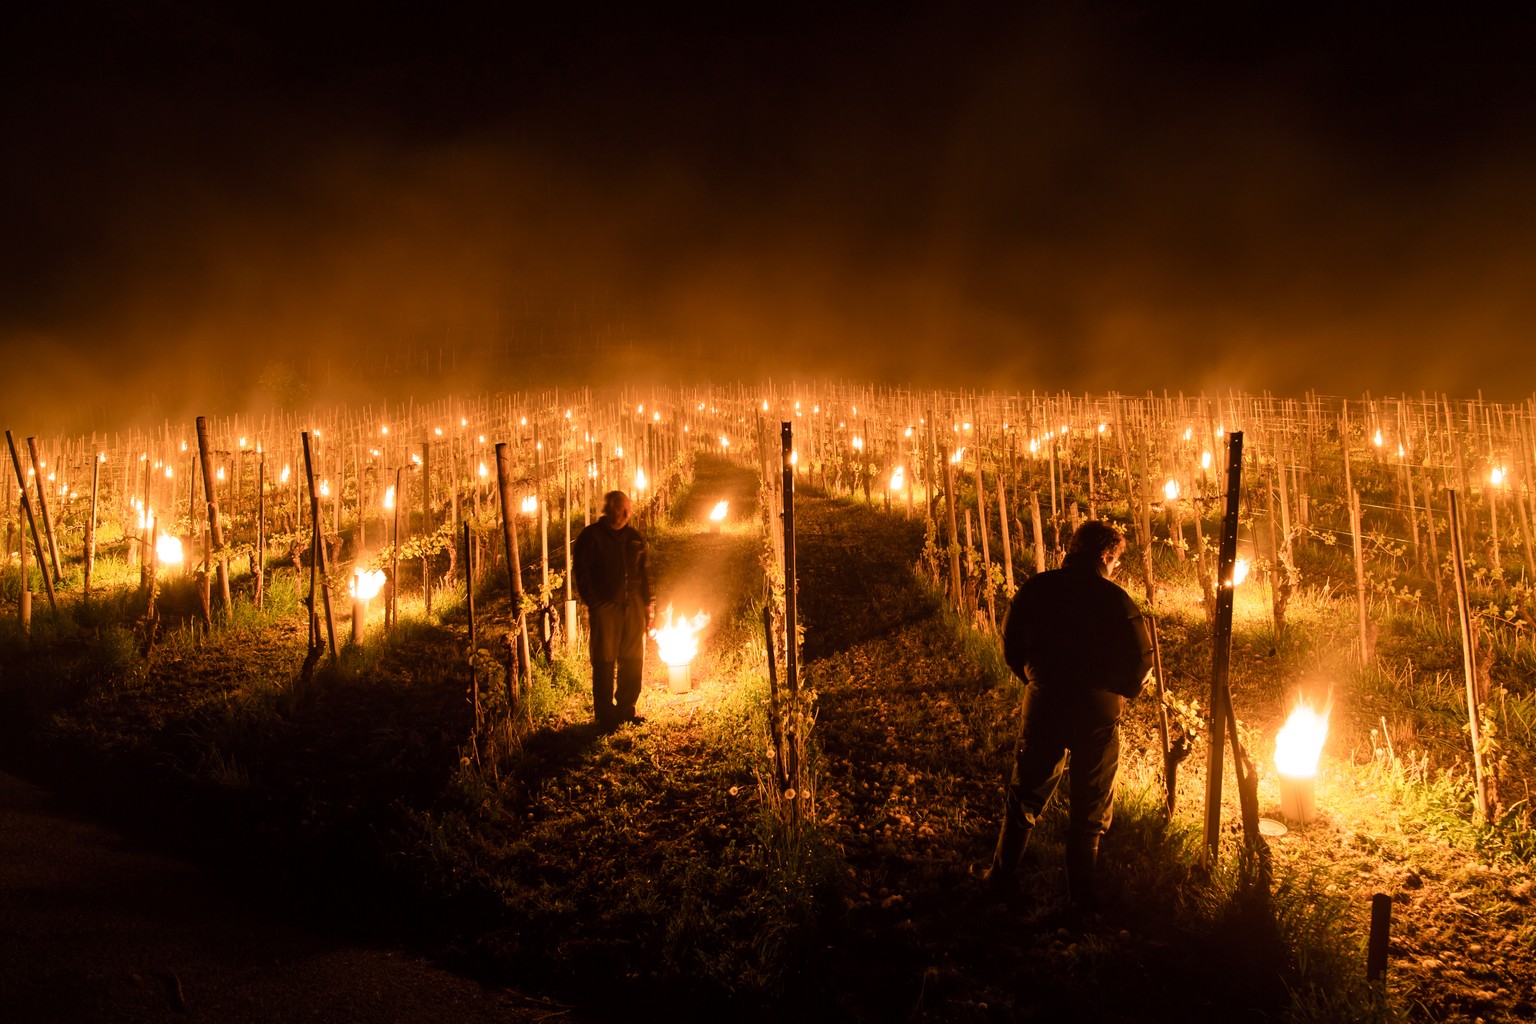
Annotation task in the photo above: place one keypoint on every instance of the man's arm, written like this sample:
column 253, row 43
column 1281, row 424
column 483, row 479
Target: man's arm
column 581, row 567
column 644, row 569
column 1015, row 633
column 1138, row 652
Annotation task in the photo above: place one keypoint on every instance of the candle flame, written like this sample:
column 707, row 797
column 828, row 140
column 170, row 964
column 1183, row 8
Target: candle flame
column 1496, row 477
column 1239, row 571
column 366, row 584
column 1377, row 439
column 720, row 509
column 1171, row 490
column 678, row 641
column 898, row 478
column 1300, row 741
column 389, row 496
column 1205, row 460
column 168, row 549
column 640, row 480
column 531, row 505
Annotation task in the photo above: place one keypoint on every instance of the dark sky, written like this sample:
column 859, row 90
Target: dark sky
column 194, row 196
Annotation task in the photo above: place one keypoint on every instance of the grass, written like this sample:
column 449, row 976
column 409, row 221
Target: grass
column 658, row 858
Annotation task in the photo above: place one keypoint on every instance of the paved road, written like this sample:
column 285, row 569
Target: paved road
column 95, row 928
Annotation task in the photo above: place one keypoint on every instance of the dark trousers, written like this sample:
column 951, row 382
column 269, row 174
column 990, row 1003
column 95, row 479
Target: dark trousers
column 617, row 643
column 1041, row 757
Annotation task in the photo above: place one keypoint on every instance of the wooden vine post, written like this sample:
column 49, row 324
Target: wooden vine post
column 216, row 530
column 426, row 523
column 319, row 565
column 37, row 541
column 1367, row 651
column 1222, row 716
column 42, row 508
column 90, row 524
column 571, row 617
column 474, row 645
column 956, row 585
column 24, row 593
column 524, row 665
column 259, row 556
column 1468, row 662
column 791, row 617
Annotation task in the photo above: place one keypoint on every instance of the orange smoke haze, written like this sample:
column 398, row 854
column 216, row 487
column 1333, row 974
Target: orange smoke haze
column 1019, row 201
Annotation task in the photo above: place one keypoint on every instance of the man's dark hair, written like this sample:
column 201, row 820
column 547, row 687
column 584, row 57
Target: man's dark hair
column 1096, row 537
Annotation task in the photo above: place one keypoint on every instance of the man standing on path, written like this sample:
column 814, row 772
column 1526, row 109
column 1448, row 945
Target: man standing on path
column 1079, row 642
column 614, row 581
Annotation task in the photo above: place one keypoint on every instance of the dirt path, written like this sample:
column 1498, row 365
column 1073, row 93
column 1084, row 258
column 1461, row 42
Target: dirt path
column 634, row 854
column 916, row 741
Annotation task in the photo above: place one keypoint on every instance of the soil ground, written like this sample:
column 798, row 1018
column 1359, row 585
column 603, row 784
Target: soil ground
column 624, row 870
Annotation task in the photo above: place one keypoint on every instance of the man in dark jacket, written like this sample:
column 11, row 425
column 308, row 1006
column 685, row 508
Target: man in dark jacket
column 1079, row 642
column 614, row 581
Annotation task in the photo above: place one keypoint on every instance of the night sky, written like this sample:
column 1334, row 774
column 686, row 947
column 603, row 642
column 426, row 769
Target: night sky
column 201, row 201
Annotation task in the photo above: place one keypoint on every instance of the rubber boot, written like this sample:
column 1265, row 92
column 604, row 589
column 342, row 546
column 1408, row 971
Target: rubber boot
column 1082, row 857
column 1011, row 843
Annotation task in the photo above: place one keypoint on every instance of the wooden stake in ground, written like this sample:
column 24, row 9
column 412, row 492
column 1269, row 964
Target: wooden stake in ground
column 42, row 508
column 319, row 541
column 24, row 594
column 259, row 555
column 1468, row 665
column 775, row 722
column 791, row 617
column 216, row 531
column 1002, row 518
column 524, row 666
column 1279, row 572
column 37, row 541
column 956, row 585
column 1039, row 529
column 1367, row 647
column 1221, row 659
column 474, row 645
column 90, row 524
column 1381, row 932
column 1170, row 760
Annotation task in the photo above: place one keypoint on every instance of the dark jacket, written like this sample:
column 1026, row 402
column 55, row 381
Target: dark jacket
column 611, row 565
column 1078, row 639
